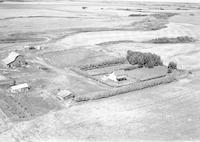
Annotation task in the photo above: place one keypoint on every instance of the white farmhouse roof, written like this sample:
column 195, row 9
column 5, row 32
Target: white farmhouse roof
column 19, row 86
column 11, row 57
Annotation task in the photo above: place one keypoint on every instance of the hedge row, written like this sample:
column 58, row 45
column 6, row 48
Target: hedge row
column 88, row 76
column 165, row 40
column 131, row 67
column 126, row 89
column 103, row 64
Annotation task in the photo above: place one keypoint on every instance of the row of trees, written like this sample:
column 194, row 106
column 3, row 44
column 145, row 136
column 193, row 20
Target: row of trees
column 180, row 39
column 143, row 59
column 148, row 60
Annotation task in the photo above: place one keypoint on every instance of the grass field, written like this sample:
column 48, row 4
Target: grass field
column 143, row 74
column 75, row 57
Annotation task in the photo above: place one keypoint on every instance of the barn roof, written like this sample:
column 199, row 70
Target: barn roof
column 20, row 86
column 11, row 57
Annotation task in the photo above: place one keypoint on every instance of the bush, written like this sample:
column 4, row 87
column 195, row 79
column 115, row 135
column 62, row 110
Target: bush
column 172, row 65
column 143, row 59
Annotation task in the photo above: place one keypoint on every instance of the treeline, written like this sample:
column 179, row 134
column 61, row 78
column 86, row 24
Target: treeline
column 165, row 40
column 143, row 59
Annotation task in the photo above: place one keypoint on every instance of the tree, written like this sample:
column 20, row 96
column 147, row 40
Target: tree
column 143, row 59
column 172, row 66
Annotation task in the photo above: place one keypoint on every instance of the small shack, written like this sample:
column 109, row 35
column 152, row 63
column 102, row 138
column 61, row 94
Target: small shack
column 117, row 76
column 64, row 95
column 14, row 60
column 20, row 88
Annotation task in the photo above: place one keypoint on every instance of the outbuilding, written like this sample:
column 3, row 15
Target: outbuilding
column 64, row 95
column 14, row 60
column 20, row 88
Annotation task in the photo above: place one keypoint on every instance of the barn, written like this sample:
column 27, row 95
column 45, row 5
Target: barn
column 14, row 60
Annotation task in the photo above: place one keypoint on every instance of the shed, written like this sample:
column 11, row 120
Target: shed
column 64, row 94
column 20, row 88
column 14, row 59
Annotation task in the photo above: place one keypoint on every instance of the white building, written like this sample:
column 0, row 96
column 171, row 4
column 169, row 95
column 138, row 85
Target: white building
column 20, row 88
column 64, row 95
column 117, row 76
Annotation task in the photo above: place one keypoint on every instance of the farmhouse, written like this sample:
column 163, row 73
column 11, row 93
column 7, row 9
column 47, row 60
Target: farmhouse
column 14, row 60
column 20, row 88
column 118, row 75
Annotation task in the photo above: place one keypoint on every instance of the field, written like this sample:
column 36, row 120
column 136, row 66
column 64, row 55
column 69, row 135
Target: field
column 75, row 33
column 76, row 56
column 143, row 74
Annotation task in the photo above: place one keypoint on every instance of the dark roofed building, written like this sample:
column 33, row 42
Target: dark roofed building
column 14, row 59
